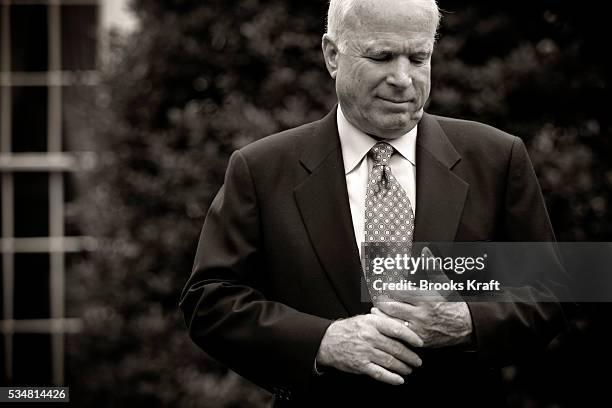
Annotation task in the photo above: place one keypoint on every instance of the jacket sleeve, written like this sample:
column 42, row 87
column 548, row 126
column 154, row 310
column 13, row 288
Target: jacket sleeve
column 224, row 305
column 527, row 319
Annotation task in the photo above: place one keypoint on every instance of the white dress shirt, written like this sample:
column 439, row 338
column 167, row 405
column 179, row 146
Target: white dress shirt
column 355, row 146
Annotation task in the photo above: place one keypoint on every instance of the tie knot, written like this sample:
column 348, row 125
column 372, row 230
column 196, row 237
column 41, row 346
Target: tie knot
column 381, row 152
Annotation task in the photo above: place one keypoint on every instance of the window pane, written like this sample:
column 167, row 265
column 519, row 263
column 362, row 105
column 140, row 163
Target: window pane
column 79, row 289
column 1, row 70
column 3, row 378
column 29, row 33
column 71, row 209
column 79, row 24
column 29, row 119
column 31, row 204
column 78, row 107
column 75, row 360
column 1, row 107
column 31, row 286
column 1, row 295
column 32, row 359
column 1, row 191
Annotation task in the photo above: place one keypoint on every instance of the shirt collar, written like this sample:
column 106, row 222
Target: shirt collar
column 356, row 143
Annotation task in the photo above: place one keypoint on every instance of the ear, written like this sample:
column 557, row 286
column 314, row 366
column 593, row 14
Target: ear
column 330, row 54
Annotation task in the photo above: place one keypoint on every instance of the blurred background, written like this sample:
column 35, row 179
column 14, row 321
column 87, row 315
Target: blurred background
column 116, row 122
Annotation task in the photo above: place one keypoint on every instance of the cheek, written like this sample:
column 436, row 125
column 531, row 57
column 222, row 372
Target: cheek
column 422, row 82
column 355, row 86
column 345, row 80
column 363, row 78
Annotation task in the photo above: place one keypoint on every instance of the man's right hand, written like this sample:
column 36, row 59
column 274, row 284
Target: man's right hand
column 371, row 345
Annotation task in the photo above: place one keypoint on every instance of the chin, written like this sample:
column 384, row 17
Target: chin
column 396, row 124
column 391, row 132
column 393, row 129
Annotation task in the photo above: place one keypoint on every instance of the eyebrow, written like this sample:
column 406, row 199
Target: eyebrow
column 386, row 48
column 377, row 45
column 380, row 46
column 378, row 50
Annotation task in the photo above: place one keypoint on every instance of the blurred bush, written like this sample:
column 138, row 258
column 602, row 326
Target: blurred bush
column 537, row 70
column 200, row 79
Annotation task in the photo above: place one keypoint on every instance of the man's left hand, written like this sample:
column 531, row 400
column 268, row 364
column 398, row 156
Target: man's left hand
column 437, row 321
column 438, row 324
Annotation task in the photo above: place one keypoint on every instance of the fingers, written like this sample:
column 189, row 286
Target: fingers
column 393, row 328
column 390, row 363
column 364, row 344
column 426, row 252
column 376, row 311
column 401, row 353
column 379, row 373
column 434, row 275
column 399, row 310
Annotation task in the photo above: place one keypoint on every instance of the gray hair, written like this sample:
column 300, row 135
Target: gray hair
column 338, row 9
column 337, row 12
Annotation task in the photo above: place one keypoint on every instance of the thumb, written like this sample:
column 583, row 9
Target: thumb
column 434, row 272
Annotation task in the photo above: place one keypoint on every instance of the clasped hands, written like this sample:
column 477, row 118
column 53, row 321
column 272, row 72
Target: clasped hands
column 382, row 344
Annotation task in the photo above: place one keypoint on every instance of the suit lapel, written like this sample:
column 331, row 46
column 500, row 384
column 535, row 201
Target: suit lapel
column 323, row 202
column 441, row 194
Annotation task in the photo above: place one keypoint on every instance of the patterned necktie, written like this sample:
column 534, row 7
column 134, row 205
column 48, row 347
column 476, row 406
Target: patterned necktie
column 389, row 219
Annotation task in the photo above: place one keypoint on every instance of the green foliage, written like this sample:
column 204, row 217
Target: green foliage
column 199, row 79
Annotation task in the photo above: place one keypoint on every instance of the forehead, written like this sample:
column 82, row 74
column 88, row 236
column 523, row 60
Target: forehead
column 396, row 18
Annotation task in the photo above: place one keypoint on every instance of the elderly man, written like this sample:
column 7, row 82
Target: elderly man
column 275, row 291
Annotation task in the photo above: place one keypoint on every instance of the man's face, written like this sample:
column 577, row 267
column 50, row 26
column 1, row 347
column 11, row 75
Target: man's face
column 383, row 72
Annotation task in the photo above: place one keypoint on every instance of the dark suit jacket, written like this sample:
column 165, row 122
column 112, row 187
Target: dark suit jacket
column 277, row 261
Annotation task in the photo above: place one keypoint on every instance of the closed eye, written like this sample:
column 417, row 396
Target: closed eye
column 419, row 59
column 380, row 57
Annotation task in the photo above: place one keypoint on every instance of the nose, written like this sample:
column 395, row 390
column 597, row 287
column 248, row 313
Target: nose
column 399, row 73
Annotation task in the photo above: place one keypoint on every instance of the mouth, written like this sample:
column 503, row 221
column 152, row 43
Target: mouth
column 398, row 105
column 396, row 101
